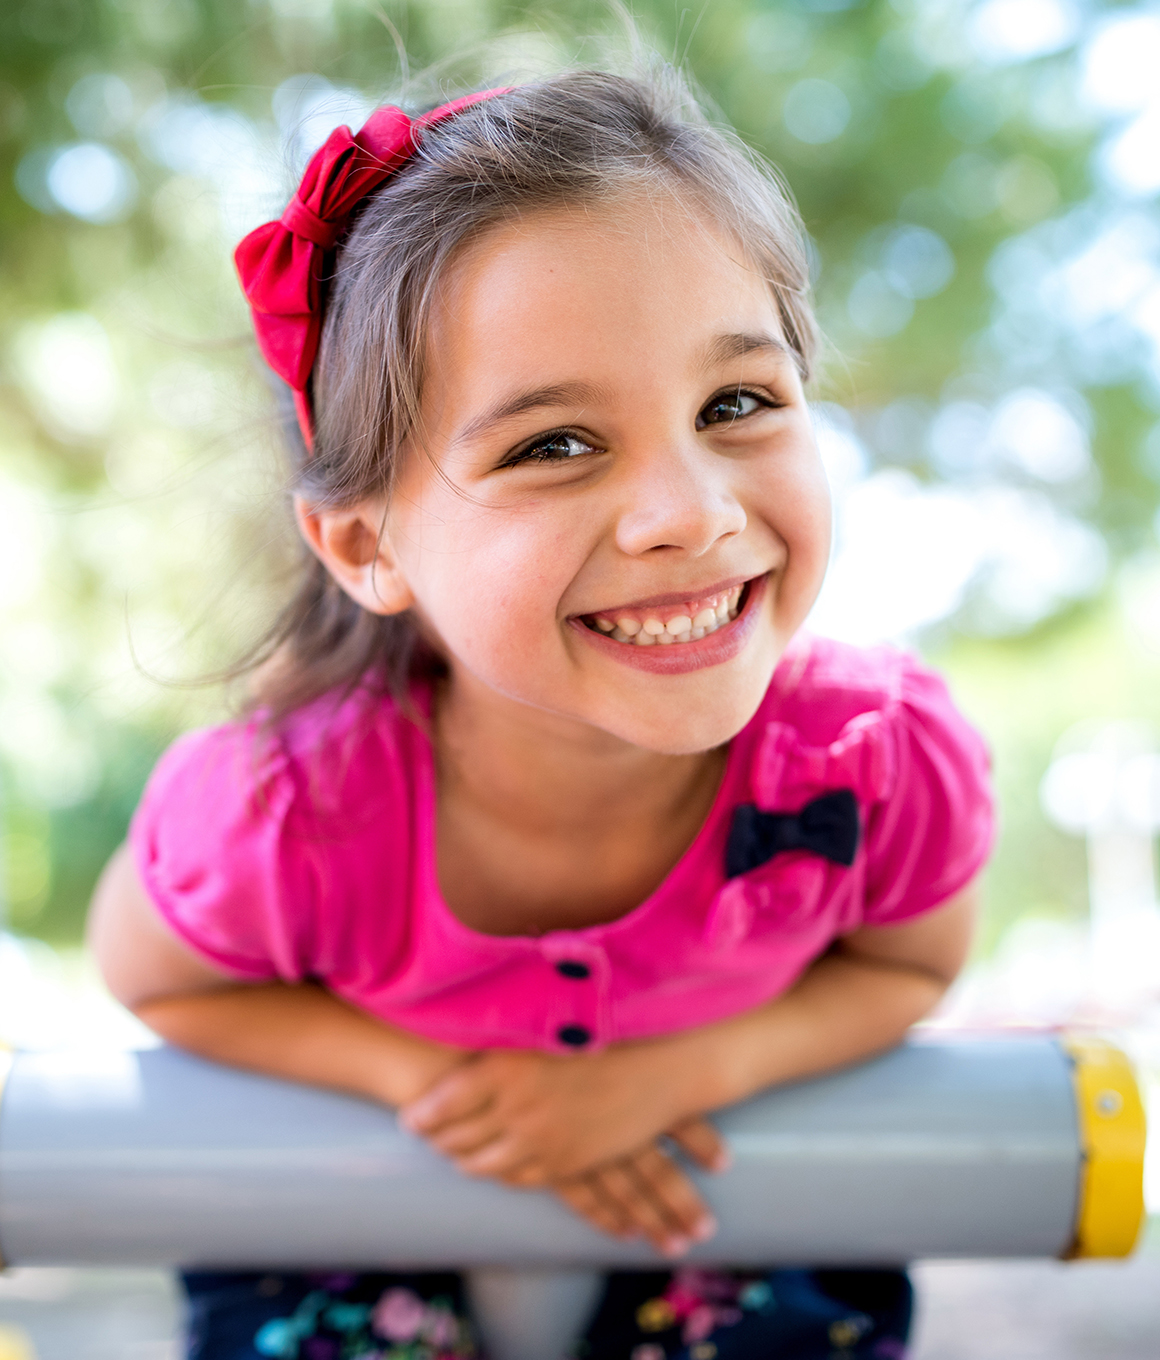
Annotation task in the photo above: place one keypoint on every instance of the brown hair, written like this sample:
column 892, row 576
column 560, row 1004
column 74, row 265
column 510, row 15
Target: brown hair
column 572, row 139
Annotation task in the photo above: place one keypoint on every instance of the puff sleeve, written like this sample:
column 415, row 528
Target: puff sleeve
column 208, row 839
column 932, row 834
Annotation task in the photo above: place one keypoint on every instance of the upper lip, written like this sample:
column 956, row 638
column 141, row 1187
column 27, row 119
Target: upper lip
column 660, row 601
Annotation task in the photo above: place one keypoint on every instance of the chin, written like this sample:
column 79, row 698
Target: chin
column 682, row 724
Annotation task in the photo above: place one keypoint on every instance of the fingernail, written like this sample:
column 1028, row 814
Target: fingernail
column 675, row 1246
column 705, row 1228
column 722, row 1162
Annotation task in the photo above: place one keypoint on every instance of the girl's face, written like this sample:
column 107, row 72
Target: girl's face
column 617, row 513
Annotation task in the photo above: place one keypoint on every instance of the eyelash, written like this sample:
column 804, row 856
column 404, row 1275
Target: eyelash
column 529, row 453
column 734, row 393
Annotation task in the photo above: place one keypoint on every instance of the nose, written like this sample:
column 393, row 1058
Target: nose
column 677, row 499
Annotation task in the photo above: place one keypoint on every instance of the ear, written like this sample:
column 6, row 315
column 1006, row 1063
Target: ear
column 352, row 545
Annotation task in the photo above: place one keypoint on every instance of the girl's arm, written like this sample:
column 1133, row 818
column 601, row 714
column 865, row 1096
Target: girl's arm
column 527, row 1118
column 306, row 1034
column 299, row 1032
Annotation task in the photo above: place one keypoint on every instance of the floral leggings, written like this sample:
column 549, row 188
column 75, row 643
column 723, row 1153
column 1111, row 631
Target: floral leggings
column 686, row 1314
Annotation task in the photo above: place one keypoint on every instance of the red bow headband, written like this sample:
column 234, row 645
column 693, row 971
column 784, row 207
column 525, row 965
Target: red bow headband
column 281, row 264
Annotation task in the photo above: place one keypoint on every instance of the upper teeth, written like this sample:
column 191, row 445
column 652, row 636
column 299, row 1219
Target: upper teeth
column 685, row 626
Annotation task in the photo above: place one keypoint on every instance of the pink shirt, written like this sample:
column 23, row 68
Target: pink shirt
column 314, row 857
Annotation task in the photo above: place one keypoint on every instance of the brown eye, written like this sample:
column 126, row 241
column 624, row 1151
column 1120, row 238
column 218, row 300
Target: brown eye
column 724, row 410
column 553, row 448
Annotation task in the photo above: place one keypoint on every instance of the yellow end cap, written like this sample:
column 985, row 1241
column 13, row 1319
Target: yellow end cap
column 1112, row 1132
column 15, row 1344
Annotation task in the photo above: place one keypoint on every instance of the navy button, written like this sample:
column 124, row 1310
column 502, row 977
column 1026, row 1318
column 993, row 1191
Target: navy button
column 572, row 968
column 575, row 1036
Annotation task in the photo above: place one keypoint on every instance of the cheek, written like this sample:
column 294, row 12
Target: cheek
column 800, row 515
column 799, row 511
column 818, row 519
column 491, row 583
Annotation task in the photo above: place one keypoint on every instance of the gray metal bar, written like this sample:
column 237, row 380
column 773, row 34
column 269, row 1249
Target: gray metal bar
column 941, row 1148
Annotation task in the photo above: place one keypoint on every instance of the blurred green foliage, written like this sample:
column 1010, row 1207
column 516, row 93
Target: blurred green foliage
column 138, row 467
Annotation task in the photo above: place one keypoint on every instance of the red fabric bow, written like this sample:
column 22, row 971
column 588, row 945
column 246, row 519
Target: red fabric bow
column 281, row 264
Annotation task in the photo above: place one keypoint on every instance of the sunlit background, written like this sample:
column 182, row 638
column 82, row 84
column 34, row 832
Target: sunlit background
column 980, row 183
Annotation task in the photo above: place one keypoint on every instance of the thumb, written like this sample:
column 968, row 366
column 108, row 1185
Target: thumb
column 700, row 1140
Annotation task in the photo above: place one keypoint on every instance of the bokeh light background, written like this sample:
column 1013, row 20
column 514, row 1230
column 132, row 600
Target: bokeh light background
column 980, row 182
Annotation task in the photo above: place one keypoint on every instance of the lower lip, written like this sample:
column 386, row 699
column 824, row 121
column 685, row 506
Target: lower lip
column 680, row 657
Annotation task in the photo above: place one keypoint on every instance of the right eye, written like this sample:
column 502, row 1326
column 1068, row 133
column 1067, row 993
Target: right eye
column 552, row 448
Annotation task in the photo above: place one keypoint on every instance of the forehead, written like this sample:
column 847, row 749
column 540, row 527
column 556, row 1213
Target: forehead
column 597, row 292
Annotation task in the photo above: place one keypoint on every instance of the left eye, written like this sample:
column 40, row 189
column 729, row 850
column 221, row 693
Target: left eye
column 556, row 448
column 726, row 409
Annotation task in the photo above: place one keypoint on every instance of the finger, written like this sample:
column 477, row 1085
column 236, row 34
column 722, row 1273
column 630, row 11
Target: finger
column 466, row 1136
column 701, row 1141
column 675, row 1193
column 634, row 1198
column 460, row 1095
column 501, row 1158
column 531, row 1176
column 586, row 1197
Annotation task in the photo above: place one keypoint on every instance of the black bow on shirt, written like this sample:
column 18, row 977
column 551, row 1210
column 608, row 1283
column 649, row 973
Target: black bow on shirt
column 827, row 825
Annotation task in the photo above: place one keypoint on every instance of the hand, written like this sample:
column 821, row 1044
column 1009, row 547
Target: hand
column 648, row 1193
column 530, row 1118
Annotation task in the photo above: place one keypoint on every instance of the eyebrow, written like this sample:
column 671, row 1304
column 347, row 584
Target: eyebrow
column 720, row 350
column 520, row 403
column 737, row 345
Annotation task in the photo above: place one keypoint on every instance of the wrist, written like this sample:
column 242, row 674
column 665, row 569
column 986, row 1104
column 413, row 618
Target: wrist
column 405, row 1076
column 679, row 1072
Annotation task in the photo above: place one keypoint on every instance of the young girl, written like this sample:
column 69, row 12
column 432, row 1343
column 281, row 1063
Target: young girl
column 548, row 829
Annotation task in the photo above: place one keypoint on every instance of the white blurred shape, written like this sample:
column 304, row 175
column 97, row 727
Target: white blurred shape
column 67, row 366
column 1033, row 431
column 1036, row 559
column 1078, row 791
column 307, row 109
column 183, row 394
column 957, row 438
column 1104, row 783
column 917, row 262
column 1019, row 30
column 91, row 181
column 1108, row 274
column 1146, row 318
column 56, row 766
column 876, row 307
column 904, row 557
column 100, row 105
column 1131, row 158
column 900, row 429
column 816, row 111
column 91, row 1077
column 1138, row 792
column 842, row 452
column 48, row 999
column 217, row 144
column 908, row 556
column 1120, row 63
column 23, row 544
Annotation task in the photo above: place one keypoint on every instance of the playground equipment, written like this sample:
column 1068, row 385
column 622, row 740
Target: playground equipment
column 945, row 1147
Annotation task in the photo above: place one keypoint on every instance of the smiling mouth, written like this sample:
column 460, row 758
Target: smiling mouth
column 674, row 625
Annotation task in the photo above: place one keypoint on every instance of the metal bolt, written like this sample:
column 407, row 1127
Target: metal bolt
column 1109, row 1103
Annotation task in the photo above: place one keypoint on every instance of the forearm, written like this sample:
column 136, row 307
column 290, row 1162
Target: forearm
column 303, row 1033
column 841, row 1010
